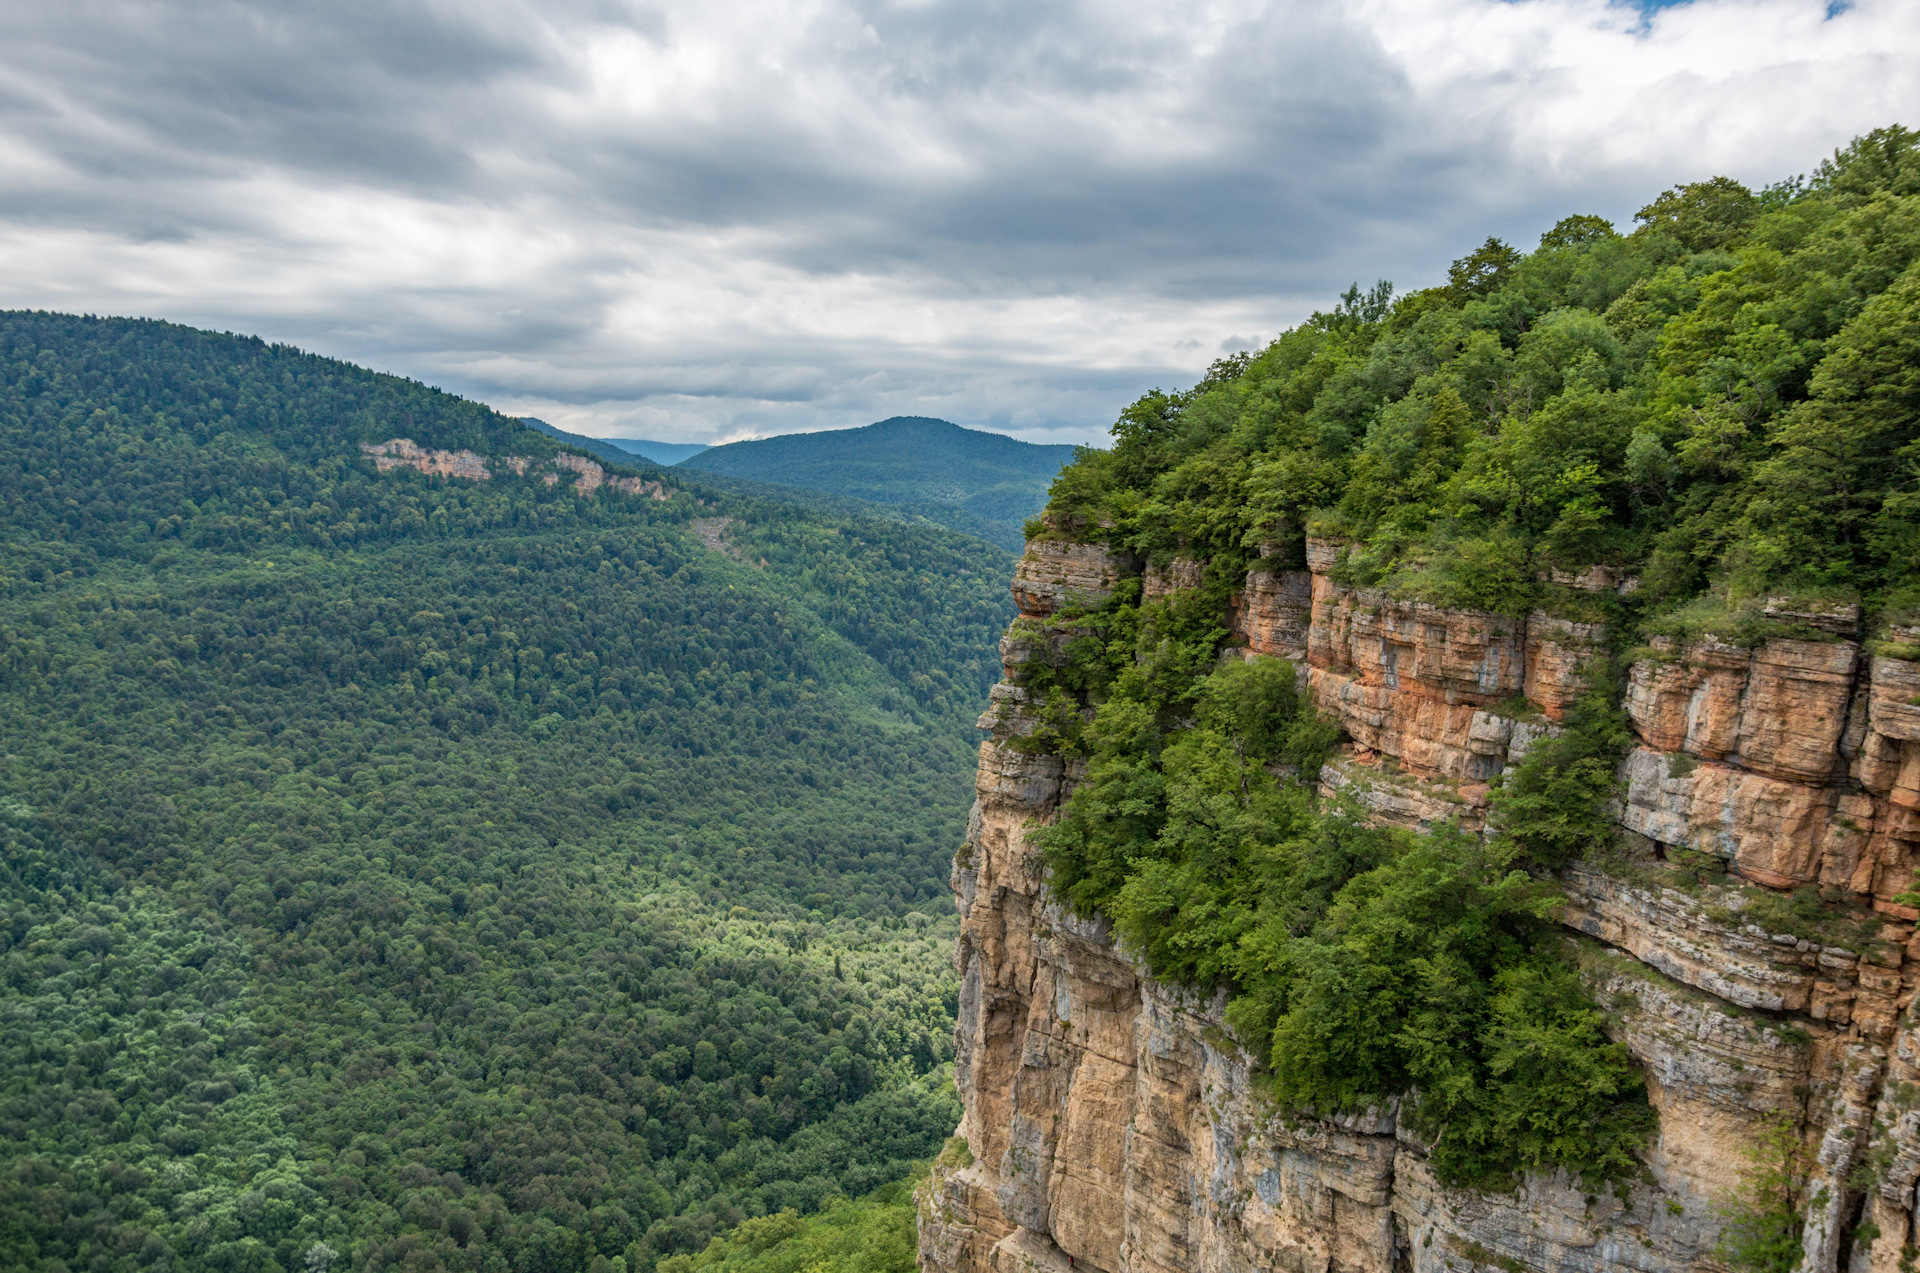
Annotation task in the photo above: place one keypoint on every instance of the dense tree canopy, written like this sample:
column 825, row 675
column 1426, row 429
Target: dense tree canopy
column 418, row 871
column 1722, row 400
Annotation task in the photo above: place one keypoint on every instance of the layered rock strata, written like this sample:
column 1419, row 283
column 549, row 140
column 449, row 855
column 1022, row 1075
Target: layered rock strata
column 1111, row 1122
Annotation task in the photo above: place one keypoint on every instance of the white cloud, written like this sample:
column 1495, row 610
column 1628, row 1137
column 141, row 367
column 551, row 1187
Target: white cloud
column 703, row 220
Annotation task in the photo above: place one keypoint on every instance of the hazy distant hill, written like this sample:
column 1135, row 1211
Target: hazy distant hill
column 621, row 450
column 985, row 484
column 613, row 450
column 660, row 452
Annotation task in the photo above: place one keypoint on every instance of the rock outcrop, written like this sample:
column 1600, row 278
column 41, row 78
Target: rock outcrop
column 397, row 453
column 588, row 476
column 1112, row 1123
column 591, row 477
column 1055, row 574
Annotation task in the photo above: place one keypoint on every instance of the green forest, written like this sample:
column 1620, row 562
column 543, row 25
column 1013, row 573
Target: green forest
column 1722, row 402
column 406, row 871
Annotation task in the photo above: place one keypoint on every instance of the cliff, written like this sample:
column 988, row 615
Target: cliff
column 1110, row 1119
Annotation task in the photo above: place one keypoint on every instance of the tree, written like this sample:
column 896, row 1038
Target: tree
column 1886, row 159
column 1703, row 215
column 1481, row 271
column 1578, row 232
column 1841, row 496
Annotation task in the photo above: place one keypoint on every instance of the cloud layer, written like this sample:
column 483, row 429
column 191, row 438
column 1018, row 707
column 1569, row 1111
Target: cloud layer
column 697, row 219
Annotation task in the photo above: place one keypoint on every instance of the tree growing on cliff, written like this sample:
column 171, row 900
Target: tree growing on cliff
column 1764, row 1216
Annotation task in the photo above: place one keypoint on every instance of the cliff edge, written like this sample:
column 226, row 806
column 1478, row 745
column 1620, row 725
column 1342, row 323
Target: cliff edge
column 1111, row 1124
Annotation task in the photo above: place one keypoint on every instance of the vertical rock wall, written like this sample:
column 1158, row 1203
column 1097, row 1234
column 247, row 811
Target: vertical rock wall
column 1109, row 1121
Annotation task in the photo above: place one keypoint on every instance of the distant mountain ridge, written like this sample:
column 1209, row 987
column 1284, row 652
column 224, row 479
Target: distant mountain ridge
column 985, row 484
column 660, row 452
column 609, row 449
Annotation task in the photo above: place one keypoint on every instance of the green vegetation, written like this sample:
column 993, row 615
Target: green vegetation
column 1766, row 1215
column 874, row 1234
column 659, row 452
column 1365, row 963
column 983, row 484
column 1723, row 403
column 622, row 450
column 602, row 448
column 1552, row 807
column 423, row 872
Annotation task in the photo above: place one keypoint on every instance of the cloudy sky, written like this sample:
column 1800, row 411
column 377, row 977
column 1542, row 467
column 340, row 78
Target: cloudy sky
column 704, row 219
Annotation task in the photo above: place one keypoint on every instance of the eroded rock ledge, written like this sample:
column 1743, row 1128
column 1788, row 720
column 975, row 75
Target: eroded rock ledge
column 1110, row 1123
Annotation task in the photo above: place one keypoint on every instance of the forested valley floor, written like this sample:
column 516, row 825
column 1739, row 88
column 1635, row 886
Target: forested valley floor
column 430, row 872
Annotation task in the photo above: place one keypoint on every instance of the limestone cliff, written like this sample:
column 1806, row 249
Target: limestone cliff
column 1109, row 1119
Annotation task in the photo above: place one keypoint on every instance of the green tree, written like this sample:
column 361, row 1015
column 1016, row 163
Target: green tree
column 1481, row 271
column 1702, row 215
column 1839, row 501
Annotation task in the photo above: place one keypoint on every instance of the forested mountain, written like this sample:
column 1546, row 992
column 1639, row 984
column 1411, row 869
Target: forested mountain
column 449, row 853
column 985, row 484
column 1708, row 425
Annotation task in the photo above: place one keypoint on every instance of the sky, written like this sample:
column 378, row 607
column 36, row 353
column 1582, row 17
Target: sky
column 702, row 220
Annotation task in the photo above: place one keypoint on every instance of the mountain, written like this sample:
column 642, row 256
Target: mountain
column 660, row 452
column 984, row 484
column 426, row 844
column 815, row 499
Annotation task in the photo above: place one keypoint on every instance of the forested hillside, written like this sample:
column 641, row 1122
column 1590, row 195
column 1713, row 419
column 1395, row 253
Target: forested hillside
column 437, row 872
column 984, row 484
column 1710, row 424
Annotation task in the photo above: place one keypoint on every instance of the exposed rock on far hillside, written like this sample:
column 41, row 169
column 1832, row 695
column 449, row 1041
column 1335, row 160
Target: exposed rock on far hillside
column 589, row 476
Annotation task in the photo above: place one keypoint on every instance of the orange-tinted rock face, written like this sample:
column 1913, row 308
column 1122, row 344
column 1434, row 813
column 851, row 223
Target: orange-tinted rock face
column 1422, row 684
column 1773, row 829
column 1054, row 575
column 1778, row 710
column 1159, row 581
column 1558, row 654
column 1113, row 1124
column 1890, row 761
column 1815, row 774
column 1274, row 612
column 1393, row 798
column 589, row 476
column 1461, row 656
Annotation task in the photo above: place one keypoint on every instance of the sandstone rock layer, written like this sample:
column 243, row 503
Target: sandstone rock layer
column 1113, row 1125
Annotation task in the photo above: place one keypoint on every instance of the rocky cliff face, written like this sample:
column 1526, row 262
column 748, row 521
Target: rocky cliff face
column 1110, row 1124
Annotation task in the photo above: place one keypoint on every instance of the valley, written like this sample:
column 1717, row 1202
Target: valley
column 1449, row 800
column 452, row 862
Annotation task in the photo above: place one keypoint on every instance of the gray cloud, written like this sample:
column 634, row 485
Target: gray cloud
column 696, row 219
